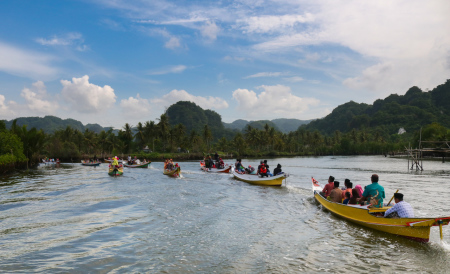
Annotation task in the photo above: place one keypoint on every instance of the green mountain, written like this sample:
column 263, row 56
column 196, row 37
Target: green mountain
column 283, row 125
column 50, row 124
column 288, row 125
column 410, row 111
column 195, row 118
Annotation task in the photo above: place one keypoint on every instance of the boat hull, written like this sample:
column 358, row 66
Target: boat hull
column 90, row 164
column 417, row 229
column 216, row 170
column 115, row 171
column 256, row 180
column 138, row 166
column 173, row 173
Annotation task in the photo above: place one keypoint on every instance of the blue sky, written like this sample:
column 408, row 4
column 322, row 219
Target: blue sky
column 117, row 61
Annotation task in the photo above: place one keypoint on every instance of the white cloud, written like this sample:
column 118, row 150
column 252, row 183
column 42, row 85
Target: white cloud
column 272, row 23
column 85, row 97
column 135, row 107
column 65, row 40
column 172, row 69
column 210, row 30
column 273, row 101
column 7, row 110
column 37, row 99
column 174, row 96
column 263, row 74
column 25, row 63
column 172, row 41
column 294, row 79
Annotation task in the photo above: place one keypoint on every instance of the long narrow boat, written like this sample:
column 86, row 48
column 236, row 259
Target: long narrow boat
column 217, row 170
column 263, row 181
column 115, row 171
column 174, row 172
column 417, row 229
column 90, row 164
column 144, row 165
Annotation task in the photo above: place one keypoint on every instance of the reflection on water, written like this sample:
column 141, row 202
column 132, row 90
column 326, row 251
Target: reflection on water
column 78, row 219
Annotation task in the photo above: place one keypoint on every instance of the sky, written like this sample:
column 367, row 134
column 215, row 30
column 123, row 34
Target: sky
column 113, row 62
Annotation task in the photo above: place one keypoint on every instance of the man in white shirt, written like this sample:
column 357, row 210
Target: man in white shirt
column 401, row 208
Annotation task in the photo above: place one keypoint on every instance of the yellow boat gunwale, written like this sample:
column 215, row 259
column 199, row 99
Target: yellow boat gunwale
column 267, row 181
column 176, row 172
column 413, row 228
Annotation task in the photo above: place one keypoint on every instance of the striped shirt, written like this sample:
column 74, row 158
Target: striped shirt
column 403, row 209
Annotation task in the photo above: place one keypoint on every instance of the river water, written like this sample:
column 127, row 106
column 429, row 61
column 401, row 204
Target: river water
column 78, row 219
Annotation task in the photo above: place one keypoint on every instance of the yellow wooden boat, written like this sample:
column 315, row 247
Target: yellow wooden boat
column 262, row 181
column 174, row 172
column 115, row 171
column 417, row 229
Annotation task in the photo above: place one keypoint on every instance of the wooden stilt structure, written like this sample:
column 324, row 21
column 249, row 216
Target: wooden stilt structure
column 416, row 155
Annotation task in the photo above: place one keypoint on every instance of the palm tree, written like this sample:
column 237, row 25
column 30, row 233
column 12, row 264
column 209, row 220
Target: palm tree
column 164, row 129
column 207, row 136
column 150, row 133
column 127, row 137
column 140, row 135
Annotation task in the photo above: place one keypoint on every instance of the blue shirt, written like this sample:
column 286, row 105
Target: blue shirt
column 376, row 191
column 403, row 209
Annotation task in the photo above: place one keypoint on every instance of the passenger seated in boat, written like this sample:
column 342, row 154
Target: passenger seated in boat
column 359, row 189
column 336, row 193
column 347, row 198
column 250, row 169
column 277, row 170
column 239, row 167
column 348, row 188
column 221, row 164
column 328, row 187
column 354, row 199
column 401, row 209
column 263, row 171
column 261, row 163
column 375, row 192
column 267, row 167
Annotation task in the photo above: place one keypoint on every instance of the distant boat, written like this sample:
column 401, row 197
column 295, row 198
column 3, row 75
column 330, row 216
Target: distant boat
column 84, row 163
column 115, row 171
column 263, row 181
column 216, row 170
column 111, row 160
column 174, row 172
column 143, row 165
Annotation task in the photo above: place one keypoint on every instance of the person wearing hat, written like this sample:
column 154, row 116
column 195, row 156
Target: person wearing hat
column 277, row 170
column 375, row 192
column 401, row 208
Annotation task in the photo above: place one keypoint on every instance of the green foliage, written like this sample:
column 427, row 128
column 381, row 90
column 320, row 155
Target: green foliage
column 11, row 148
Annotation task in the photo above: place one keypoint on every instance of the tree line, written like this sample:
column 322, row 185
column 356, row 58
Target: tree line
column 23, row 147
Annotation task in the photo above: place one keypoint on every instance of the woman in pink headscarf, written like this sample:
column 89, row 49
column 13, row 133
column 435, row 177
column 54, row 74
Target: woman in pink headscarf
column 359, row 189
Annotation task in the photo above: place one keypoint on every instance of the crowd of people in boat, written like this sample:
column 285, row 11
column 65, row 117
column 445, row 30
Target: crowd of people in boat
column 262, row 170
column 217, row 162
column 169, row 165
column 47, row 160
column 373, row 196
column 115, row 162
column 135, row 161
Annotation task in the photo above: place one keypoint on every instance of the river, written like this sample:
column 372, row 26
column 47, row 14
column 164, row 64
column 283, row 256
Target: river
column 77, row 219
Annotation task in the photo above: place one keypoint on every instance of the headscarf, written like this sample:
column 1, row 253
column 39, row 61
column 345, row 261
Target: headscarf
column 360, row 190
